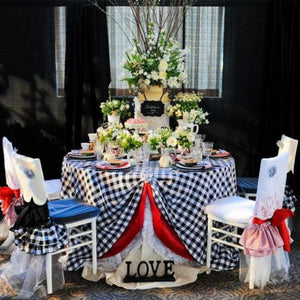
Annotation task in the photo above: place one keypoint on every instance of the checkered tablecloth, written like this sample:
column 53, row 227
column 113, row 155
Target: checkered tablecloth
column 181, row 197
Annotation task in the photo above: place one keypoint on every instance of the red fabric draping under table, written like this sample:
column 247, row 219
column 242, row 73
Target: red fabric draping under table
column 162, row 229
column 133, row 228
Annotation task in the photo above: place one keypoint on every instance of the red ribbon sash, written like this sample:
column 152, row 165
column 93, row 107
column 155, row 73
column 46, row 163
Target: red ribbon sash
column 278, row 220
column 7, row 195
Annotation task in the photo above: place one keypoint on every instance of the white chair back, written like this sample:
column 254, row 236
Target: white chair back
column 30, row 175
column 10, row 173
column 287, row 144
column 271, row 185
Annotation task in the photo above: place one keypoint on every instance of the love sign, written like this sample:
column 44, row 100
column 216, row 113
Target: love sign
column 147, row 271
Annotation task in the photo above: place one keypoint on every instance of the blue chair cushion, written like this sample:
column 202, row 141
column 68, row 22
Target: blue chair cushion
column 247, row 184
column 69, row 210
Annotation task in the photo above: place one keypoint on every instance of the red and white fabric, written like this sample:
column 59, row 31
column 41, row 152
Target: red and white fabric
column 266, row 239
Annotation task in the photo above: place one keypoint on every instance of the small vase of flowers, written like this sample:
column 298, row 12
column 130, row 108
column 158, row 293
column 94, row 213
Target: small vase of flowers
column 185, row 105
column 116, row 136
column 165, row 138
column 114, row 109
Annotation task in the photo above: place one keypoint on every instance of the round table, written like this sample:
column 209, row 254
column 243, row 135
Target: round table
column 176, row 198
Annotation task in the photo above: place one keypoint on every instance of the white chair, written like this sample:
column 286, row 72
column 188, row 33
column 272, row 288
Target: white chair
column 12, row 184
column 53, row 186
column 247, row 186
column 236, row 213
column 71, row 213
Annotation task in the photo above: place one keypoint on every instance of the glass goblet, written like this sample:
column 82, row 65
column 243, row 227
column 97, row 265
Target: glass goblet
column 99, row 149
column 207, row 149
column 138, row 158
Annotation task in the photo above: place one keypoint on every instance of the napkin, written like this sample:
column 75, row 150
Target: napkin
column 106, row 166
column 221, row 153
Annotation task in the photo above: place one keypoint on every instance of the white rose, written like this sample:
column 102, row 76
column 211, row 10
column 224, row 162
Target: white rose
column 171, row 141
column 162, row 75
column 154, row 75
column 191, row 136
column 115, row 103
column 163, row 65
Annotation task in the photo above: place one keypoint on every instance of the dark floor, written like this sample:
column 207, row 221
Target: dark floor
column 217, row 285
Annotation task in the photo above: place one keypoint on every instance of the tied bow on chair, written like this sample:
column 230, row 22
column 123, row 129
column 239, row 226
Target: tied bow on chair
column 10, row 198
column 7, row 195
column 263, row 240
column 278, row 220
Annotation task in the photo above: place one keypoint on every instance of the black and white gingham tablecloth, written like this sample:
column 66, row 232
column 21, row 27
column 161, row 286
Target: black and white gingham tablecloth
column 181, row 197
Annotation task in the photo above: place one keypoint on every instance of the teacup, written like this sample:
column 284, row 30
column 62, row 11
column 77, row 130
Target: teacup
column 92, row 136
column 85, row 146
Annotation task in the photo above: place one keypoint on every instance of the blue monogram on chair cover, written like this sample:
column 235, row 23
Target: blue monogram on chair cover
column 270, row 188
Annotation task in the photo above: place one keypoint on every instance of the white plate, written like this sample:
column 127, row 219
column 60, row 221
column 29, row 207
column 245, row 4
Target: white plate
column 196, row 168
column 79, row 156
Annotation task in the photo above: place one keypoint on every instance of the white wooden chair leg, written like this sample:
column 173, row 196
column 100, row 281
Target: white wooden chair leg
column 251, row 273
column 94, row 247
column 49, row 273
column 208, row 250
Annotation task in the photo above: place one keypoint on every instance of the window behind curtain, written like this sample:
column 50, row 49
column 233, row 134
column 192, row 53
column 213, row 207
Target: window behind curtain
column 60, row 48
column 203, row 36
column 204, row 31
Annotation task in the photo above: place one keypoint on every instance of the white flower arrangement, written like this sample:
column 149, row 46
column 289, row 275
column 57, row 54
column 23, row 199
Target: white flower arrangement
column 115, row 107
column 166, row 138
column 116, row 134
column 186, row 106
column 157, row 61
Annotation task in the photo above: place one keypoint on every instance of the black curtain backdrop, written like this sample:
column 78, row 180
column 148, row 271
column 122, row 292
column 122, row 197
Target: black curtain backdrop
column 260, row 80
column 236, row 118
column 31, row 116
column 87, row 70
column 281, row 107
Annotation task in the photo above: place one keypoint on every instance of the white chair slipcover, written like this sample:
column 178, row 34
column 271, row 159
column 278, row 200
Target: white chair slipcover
column 261, row 241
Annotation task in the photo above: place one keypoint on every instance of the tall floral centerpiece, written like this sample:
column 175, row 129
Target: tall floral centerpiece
column 157, row 60
column 154, row 64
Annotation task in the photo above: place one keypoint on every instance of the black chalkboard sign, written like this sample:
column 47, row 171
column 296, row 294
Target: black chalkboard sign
column 152, row 108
